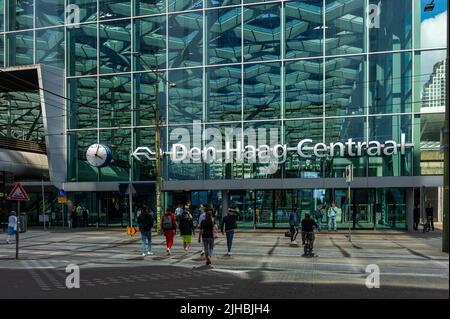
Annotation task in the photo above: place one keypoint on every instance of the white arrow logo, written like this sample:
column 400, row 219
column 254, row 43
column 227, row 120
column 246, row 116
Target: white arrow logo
column 146, row 152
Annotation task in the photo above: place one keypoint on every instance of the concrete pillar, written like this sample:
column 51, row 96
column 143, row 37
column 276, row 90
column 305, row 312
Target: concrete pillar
column 410, row 208
column 225, row 196
column 440, row 204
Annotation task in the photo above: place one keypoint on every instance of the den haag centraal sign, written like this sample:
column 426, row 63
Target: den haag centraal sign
column 275, row 153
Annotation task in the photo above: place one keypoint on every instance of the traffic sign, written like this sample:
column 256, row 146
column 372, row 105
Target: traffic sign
column 18, row 193
column 62, row 198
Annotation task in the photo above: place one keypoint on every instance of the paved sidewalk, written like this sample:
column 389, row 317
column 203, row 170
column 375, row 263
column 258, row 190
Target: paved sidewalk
column 405, row 260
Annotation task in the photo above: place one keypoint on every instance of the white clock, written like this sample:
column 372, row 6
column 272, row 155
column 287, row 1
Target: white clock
column 99, row 155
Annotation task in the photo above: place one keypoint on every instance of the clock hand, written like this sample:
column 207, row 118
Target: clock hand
column 98, row 145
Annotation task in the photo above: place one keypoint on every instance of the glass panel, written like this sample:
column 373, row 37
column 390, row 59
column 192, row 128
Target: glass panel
column 50, row 47
column 185, row 39
column 220, row 3
column 430, row 22
column 146, row 86
column 224, row 35
column 190, row 136
column 264, row 209
column 262, row 32
column 2, row 50
column 49, row 13
column 115, row 45
column 79, row 169
column 82, row 102
column 82, row 50
column 224, row 93
column 390, row 83
column 385, row 128
column 262, row 97
column 345, row 27
column 113, row 9
column 392, row 28
column 216, row 136
column 345, row 86
column 182, row 5
column 432, row 81
column 20, row 15
column 297, row 166
column 19, row 48
column 303, row 28
column 2, row 16
column 144, row 170
column 87, row 10
column 390, row 208
column 341, row 130
column 119, row 141
column 146, row 7
column 115, row 101
column 150, row 41
column 186, row 98
column 244, row 203
column 304, row 89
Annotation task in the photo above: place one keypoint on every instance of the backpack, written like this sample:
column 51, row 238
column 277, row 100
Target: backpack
column 167, row 222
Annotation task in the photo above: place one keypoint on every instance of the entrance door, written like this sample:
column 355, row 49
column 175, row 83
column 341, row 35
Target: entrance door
column 363, row 208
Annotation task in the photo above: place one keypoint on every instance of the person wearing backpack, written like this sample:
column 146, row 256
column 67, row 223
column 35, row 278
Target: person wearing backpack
column 145, row 222
column 169, row 226
column 186, row 225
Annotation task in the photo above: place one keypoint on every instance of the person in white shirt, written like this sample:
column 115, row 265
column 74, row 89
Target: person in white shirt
column 179, row 211
column 332, row 211
column 12, row 226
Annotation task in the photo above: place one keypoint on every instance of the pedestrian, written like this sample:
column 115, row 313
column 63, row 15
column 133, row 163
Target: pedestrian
column 416, row 213
column 79, row 219
column 169, row 226
column 332, row 212
column 430, row 215
column 294, row 221
column 206, row 234
column 179, row 212
column 229, row 224
column 145, row 222
column 186, row 225
column 12, row 226
column 73, row 217
column 202, row 214
column 85, row 216
column 318, row 215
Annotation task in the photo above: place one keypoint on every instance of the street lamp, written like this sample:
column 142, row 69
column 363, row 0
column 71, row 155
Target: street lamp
column 158, row 122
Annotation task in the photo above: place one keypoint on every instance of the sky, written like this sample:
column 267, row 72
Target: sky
column 433, row 34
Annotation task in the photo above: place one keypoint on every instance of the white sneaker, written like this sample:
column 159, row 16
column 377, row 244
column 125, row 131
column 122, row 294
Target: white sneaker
column 168, row 252
column 150, row 253
column 143, row 254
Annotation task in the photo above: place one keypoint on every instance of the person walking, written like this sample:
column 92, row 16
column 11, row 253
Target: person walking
column 294, row 222
column 229, row 224
column 146, row 222
column 73, row 217
column 332, row 212
column 85, row 216
column 430, row 215
column 12, row 226
column 169, row 226
column 318, row 215
column 416, row 214
column 186, row 225
column 200, row 219
column 206, row 234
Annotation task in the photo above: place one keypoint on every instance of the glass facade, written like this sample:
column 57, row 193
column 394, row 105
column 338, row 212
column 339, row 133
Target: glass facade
column 328, row 70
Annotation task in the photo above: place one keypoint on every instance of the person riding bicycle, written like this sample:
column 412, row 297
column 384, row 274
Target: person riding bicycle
column 308, row 225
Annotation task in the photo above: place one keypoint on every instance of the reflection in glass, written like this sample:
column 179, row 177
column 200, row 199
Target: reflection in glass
column 186, row 98
column 113, row 9
column 185, row 39
column 262, row 32
column 304, row 89
column 224, row 93
column 88, row 9
column 119, row 141
column 182, row 5
column 82, row 50
column 390, row 83
column 303, row 28
column 115, row 101
column 19, row 15
column 50, row 47
column 345, row 86
column 115, row 46
column 262, row 91
column 19, row 48
column 224, row 35
column 82, row 102
column 150, row 42
column 49, row 13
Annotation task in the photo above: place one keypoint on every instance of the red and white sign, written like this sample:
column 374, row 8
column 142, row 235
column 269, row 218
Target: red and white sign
column 18, row 193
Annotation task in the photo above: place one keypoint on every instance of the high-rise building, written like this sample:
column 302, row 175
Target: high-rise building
column 434, row 91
